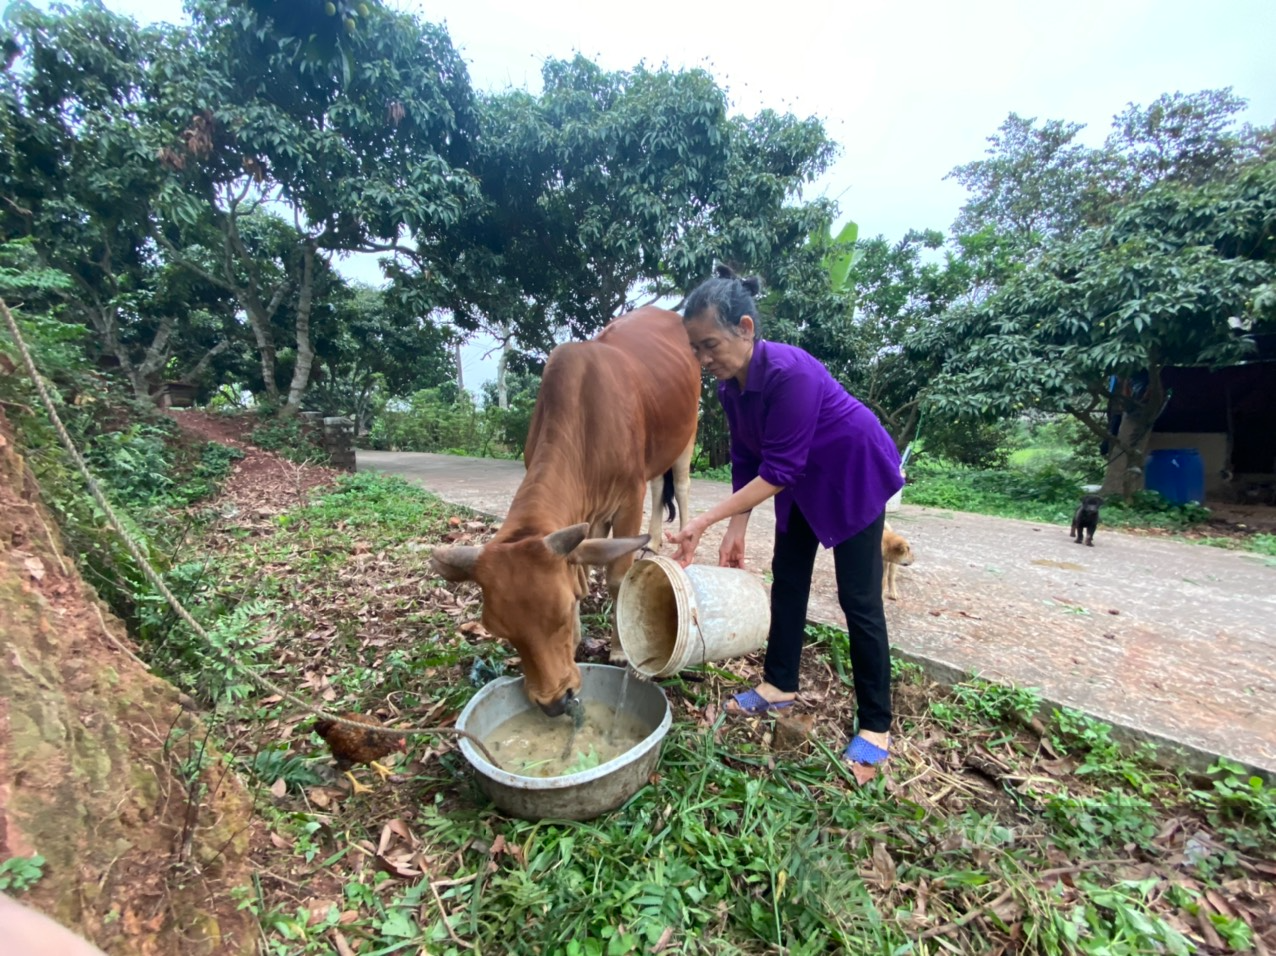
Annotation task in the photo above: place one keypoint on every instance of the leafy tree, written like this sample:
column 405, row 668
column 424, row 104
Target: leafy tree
column 370, row 351
column 1036, row 183
column 1184, row 138
column 513, row 420
column 365, row 144
column 1168, row 282
column 1107, row 266
column 862, row 309
column 895, row 292
column 611, row 187
column 79, row 181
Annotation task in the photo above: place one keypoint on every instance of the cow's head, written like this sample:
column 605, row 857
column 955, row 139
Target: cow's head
column 531, row 589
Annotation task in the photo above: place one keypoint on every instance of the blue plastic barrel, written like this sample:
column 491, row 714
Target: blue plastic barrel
column 1177, row 473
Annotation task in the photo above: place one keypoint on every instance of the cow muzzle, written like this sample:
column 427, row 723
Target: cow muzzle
column 559, row 706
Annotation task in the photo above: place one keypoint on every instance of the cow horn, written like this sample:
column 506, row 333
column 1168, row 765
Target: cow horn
column 606, row 550
column 564, row 541
column 455, row 562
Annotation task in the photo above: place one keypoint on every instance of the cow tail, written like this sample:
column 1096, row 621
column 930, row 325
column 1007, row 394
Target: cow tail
column 666, row 497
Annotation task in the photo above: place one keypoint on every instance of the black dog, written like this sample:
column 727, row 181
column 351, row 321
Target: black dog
column 1086, row 519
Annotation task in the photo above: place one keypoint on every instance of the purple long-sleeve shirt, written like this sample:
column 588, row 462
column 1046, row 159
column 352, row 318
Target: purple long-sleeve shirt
column 797, row 427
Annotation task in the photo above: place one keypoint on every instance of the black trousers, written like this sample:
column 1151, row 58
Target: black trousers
column 858, row 564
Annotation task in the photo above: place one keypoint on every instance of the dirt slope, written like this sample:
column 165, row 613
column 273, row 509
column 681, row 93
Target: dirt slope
column 92, row 757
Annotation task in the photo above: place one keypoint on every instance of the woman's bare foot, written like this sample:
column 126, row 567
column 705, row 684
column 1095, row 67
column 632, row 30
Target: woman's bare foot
column 768, row 692
column 877, row 739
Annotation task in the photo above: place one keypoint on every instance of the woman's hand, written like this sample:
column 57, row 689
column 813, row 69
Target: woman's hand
column 731, row 554
column 687, row 540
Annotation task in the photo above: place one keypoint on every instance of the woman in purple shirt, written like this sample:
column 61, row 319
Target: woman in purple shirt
column 797, row 435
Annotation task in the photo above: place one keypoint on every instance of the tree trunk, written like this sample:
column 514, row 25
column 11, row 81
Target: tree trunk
column 502, row 368
column 1124, row 474
column 265, row 349
column 158, row 354
column 102, row 319
column 909, row 430
column 305, row 349
column 361, row 412
column 460, row 371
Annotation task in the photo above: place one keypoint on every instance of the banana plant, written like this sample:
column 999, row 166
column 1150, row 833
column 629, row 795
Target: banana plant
column 841, row 255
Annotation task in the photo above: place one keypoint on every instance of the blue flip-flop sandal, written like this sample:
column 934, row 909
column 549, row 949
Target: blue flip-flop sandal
column 751, row 703
column 865, row 752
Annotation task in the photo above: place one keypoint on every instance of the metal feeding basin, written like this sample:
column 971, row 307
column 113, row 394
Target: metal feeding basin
column 574, row 796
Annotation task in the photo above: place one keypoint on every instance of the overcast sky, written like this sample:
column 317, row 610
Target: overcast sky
column 908, row 89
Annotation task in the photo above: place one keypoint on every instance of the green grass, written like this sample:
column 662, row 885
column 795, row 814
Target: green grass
column 1043, row 493
column 1035, row 457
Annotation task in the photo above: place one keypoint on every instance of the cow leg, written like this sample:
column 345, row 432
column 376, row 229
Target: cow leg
column 682, row 483
column 655, row 527
column 681, row 495
column 627, row 523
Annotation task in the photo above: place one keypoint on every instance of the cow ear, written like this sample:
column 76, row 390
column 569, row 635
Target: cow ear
column 563, row 541
column 606, row 550
column 455, row 562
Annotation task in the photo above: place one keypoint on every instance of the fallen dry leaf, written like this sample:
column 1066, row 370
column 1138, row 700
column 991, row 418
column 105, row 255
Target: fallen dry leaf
column 1008, row 911
column 1208, row 933
column 400, row 828
column 279, row 787
column 319, row 797
column 341, row 944
column 384, row 843
column 883, row 867
column 399, row 864
column 318, row 910
column 1220, row 905
column 664, row 940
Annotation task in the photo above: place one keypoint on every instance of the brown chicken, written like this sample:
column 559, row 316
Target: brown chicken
column 350, row 746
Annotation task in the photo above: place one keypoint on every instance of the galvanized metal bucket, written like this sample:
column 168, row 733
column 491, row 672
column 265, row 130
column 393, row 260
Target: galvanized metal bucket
column 577, row 796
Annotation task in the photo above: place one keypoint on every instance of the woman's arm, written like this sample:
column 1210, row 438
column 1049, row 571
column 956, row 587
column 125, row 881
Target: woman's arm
column 743, row 501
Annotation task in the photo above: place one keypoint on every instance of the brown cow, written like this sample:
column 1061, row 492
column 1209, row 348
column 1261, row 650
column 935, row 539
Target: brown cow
column 613, row 414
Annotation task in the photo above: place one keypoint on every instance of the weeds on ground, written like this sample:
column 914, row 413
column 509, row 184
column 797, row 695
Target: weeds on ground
column 19, row 873
column 147, row 470
column 289, row 438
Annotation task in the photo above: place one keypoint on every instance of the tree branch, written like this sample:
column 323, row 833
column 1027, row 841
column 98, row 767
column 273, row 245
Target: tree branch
column 195, row 371
column 187, row 263
column 157, row 353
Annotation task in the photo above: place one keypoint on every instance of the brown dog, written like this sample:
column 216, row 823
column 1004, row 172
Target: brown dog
column 896, row 554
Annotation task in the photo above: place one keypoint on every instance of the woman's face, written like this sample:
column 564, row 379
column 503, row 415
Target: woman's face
column 723, row 352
